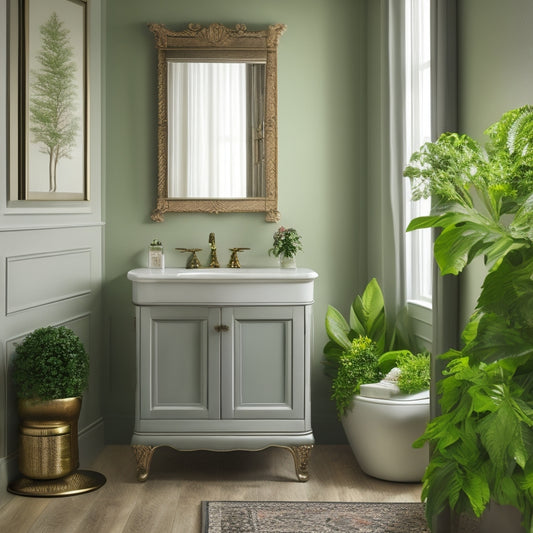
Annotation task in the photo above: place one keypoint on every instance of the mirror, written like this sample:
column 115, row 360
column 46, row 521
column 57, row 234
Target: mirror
column 217, row 120
column 215, row 129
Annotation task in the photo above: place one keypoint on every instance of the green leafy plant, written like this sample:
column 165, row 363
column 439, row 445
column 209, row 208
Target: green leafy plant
column 50, row 363
column 414, row 372
column 415, row 369
column 356, row 366
column 361, row 352
column 483, row 202
column 367, row 318
column 286, row 242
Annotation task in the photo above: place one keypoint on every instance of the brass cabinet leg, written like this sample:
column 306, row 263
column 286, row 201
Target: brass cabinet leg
column 301, row 456
column 143, row 456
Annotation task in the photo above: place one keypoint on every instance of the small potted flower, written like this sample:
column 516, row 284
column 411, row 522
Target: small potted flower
column 287, row 242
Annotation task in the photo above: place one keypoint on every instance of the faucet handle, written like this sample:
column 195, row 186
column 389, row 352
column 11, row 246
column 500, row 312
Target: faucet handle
column 193, row 261
column 234, row 260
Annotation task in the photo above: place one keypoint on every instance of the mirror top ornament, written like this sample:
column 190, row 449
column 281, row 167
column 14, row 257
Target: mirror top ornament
column 255, row 54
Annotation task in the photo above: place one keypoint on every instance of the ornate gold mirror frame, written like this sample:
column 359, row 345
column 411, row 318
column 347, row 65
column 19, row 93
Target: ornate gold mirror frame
column 219, row 43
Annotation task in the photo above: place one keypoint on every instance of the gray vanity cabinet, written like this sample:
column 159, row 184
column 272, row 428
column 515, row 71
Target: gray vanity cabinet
column 263, row 365
column 179, row 366
column 223, row 361
column 207, row 368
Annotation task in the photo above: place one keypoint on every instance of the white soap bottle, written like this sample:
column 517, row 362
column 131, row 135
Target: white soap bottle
column 156, row 255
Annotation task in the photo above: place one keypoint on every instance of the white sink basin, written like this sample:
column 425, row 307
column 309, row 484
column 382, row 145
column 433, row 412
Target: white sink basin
column 222, row 286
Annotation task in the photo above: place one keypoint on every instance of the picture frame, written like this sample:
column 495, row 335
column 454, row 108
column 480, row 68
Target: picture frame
column 53, row 101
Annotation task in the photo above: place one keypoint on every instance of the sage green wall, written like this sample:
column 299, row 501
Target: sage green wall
column 322, row 124
column 495, row 75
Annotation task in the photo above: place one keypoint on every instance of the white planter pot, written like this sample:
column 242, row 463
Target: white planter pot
column 381, row 433
column 287, row 262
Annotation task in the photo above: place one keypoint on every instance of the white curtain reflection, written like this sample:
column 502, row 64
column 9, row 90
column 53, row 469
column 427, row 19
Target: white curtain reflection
column 207, row 130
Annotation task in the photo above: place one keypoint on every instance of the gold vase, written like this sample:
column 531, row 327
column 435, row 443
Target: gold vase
column 48, row 437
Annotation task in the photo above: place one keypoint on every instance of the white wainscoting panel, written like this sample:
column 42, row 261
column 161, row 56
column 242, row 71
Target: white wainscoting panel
column 34, row 280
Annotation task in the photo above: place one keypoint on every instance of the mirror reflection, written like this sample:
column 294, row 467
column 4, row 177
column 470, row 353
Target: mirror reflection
column 215, row 129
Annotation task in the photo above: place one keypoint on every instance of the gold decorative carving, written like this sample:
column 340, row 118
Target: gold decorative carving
column 301, row 455
column 273, row 215
column 215, row 34
column 143, row 457
column 219, row 42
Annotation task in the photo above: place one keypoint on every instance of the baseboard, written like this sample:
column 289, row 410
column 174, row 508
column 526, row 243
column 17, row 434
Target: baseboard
column 8, row 472
column 91, row 442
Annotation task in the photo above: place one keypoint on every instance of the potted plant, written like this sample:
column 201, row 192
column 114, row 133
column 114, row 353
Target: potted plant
column 482, row 443
column 367, row 317
column 362, row 354
column 287, row 243
column 50, row 370
column 409, row 373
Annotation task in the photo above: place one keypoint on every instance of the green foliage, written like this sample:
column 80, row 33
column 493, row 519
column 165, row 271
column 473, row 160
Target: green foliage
column 286, row 242
column 415, row 369
column 355, row 352
column 483, row 200
column 415, row 372
column 368, row 318
column 50, row 363
column 357, row 365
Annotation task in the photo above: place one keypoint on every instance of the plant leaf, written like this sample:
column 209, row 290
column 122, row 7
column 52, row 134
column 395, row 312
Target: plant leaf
column 495, row 340
column 337, row 327
column 369, row 310
column 477, row 489
column 388, row 360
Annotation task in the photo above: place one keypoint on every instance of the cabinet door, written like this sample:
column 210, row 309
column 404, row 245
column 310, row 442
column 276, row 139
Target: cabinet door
column 179, row 363
column 263, row 363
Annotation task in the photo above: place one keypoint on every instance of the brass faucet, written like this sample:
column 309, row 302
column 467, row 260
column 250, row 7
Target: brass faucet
column 193, row 261
column 213, row 261
column 234, row 260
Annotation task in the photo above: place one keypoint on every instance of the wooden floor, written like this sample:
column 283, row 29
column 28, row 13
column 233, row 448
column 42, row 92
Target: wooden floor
column 169, row 501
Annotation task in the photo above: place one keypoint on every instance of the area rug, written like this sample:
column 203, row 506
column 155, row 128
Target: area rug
column 313, row 517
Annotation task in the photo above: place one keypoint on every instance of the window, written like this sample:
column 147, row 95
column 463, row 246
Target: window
column 418, row 245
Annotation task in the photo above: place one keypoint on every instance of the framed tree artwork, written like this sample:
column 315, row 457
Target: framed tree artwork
column 52, row 155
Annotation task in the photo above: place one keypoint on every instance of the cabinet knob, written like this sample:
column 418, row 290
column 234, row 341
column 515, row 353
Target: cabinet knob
column 221, row 327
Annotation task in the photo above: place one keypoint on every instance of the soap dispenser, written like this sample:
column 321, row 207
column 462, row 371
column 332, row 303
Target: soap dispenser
column 156, row 255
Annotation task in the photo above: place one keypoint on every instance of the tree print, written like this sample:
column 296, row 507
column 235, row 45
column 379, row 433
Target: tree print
column 54, row 124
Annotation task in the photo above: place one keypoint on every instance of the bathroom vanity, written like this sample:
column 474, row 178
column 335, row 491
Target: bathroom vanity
column 223, row 361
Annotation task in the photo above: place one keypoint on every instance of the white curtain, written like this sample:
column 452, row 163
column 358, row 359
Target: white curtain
column 207, row 130
column 386, row 148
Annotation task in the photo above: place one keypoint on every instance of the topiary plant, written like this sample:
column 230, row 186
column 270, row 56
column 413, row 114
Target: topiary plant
column 49, row 364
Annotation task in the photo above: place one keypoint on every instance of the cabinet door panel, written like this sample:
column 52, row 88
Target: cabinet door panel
column 265, row 379
column 180, row 363
column 265, row 369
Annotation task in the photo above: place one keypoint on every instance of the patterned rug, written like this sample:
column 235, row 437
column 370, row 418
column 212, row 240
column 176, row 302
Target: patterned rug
column 313, row 517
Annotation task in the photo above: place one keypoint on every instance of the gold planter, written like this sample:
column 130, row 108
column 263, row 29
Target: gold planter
column 48, row 437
